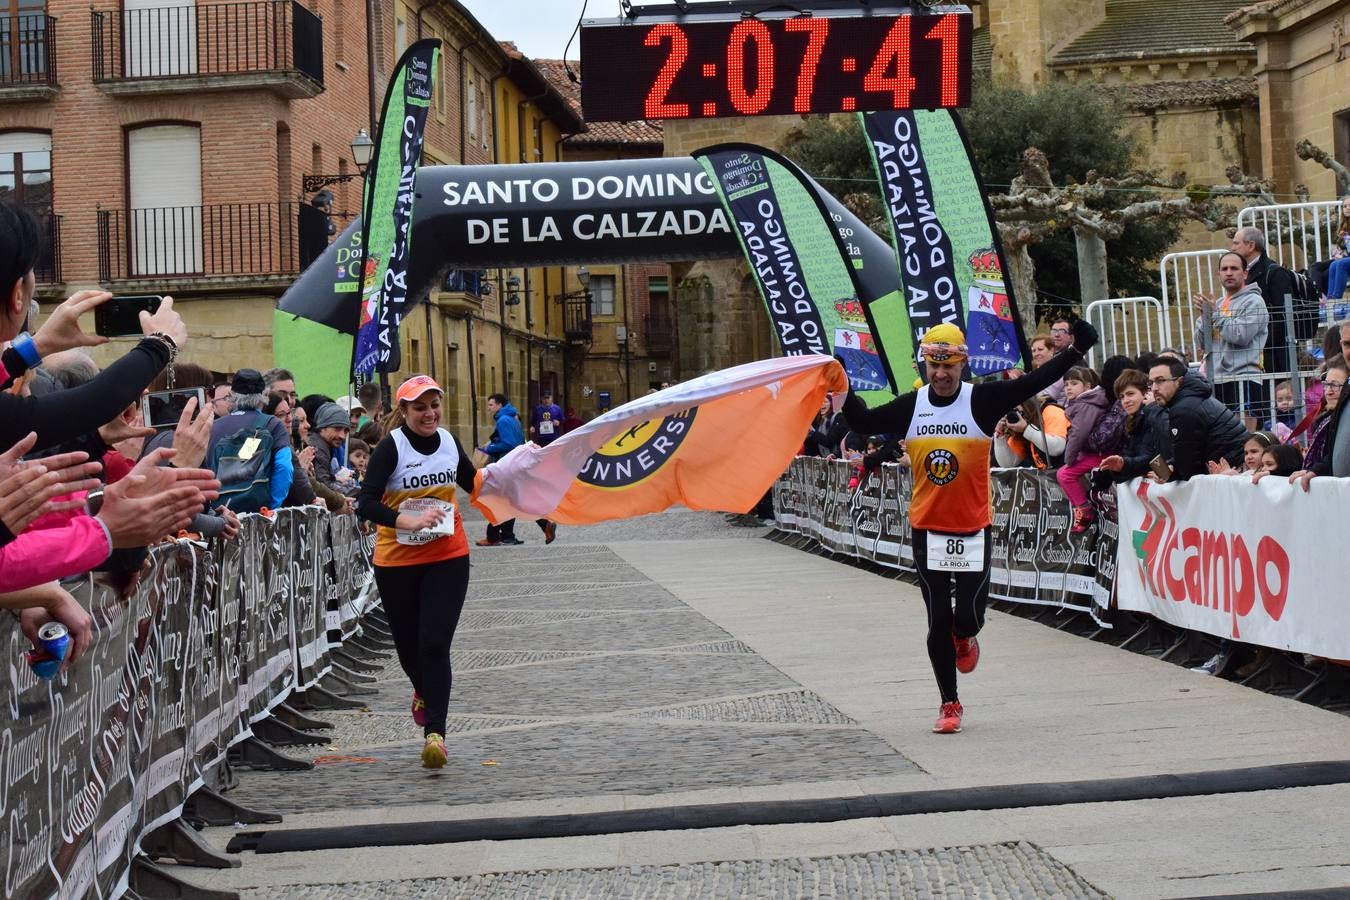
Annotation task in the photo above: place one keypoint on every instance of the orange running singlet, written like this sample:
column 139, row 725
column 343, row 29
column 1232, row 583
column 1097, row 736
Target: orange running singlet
column 950, row 455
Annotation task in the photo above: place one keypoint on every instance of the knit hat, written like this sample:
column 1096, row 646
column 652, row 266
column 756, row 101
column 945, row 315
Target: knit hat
column 331, row 415
column 943, row 343
column 248, row 381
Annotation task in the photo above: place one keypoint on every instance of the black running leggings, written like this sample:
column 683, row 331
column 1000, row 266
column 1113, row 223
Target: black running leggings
column 424, row 603
column 944, row 623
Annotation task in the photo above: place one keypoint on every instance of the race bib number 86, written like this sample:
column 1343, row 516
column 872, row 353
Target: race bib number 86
column 955, row 552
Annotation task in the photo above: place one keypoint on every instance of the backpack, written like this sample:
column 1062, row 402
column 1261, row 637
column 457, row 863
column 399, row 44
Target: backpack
column 245, row 483
column 1307, row 301
column 1108, row 435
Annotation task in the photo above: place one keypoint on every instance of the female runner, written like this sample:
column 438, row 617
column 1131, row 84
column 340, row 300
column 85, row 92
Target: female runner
column 421, row 554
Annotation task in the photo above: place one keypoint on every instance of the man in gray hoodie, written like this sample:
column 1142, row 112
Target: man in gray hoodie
column 1230, row 337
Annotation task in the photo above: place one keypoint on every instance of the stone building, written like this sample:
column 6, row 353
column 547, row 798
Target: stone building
column 1302, row 72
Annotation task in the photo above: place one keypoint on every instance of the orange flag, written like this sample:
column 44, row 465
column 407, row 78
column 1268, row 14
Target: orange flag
column 716, row 442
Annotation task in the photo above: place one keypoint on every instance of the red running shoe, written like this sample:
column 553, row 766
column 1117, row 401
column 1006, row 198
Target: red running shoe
column 967, row 654
column 1083, row 516
column 486, row 542
column 419, row 710
column 949, row 718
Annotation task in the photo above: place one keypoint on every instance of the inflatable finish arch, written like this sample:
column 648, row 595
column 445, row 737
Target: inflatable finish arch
column 548, row 214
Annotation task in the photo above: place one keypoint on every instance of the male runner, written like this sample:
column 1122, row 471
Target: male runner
column 948, row 428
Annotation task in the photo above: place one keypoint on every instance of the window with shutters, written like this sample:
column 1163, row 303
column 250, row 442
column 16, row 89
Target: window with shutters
column 165, row 216
column 602, row 295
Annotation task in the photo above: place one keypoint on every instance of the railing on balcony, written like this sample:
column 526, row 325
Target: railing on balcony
column 48, row 266
column 577, row 315
column 660, row 333
column 228, row 239
column 271, row 36
column 27, row 50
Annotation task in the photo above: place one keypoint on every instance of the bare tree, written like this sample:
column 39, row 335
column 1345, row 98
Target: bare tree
column 1035, row 207
column 1307, row 150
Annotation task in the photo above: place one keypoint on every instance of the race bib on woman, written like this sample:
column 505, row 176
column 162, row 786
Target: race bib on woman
column 417, row 505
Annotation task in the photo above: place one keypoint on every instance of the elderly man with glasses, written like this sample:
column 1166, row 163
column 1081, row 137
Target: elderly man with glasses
column 1336, row 461
column 1203, row 429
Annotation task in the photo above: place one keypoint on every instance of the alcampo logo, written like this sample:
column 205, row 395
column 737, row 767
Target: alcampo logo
column 940, row 466
column 637, row 453
column 1210, row 569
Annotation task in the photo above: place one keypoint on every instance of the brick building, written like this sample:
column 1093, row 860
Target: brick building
column 166, row 147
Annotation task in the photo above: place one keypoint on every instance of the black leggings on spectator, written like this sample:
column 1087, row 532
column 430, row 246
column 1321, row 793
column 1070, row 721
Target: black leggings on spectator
column 972, row 595
column 424, row 603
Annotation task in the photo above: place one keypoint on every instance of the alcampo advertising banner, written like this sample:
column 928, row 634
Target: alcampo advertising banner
column 1220, row 555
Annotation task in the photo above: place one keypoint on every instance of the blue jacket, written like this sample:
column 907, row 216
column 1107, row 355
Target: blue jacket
column 508, row 435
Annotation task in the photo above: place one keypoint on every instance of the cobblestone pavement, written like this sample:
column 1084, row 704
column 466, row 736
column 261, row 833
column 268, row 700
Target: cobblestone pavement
column 994, row 870
column 576, row 675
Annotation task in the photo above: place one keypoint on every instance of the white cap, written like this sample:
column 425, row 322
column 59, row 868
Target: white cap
column 349, row 403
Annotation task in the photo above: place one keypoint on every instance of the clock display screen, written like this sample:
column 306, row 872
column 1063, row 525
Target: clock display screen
column 762, row 66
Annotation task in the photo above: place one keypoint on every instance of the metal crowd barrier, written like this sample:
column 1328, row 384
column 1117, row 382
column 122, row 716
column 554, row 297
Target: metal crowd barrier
column 211, row 643
column 1035, row 558
column 1128, row 326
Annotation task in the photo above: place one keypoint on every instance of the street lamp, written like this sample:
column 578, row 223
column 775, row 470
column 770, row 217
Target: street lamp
column 513, row 290
column 362, row 147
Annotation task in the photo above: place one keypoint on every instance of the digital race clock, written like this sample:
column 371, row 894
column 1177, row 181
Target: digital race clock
column 690, row 66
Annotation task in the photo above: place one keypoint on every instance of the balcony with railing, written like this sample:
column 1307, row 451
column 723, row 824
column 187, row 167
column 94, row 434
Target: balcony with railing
column 27, row 57
column 275, row 44
column 577, row 323
column 221, row 246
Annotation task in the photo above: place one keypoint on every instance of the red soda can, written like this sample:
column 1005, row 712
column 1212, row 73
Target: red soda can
column 53, row 644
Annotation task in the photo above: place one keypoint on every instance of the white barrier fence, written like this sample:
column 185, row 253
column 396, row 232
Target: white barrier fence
column 1128, row 326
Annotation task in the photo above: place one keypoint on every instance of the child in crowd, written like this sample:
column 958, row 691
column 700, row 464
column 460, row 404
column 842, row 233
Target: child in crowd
column 1258, row 442
column 1086, row 403
column 1281, row 460
column 1286, row 416
column 358, row 455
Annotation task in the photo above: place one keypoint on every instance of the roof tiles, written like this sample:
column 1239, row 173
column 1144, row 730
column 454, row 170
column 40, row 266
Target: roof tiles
column 1151, row 29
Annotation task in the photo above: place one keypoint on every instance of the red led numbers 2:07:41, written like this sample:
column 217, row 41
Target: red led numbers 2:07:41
column 761, row 66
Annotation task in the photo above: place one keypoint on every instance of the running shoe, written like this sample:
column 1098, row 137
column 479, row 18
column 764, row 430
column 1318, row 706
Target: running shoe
column 488, row 542
column 1083, row 516
column 967, row 654
column 948, row 722
column 550, row 531
column 419, row 710
column 434, row 754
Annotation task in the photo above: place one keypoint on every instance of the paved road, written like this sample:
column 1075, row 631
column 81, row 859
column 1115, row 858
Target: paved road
column 681, row 659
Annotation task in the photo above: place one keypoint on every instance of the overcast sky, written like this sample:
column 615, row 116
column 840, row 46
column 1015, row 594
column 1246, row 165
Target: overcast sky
column 540, row 28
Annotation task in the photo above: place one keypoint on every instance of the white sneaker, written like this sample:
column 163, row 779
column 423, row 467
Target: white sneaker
column 1210, row 666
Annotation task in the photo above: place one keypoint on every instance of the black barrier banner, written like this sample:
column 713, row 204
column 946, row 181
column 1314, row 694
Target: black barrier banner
column 95, row 759
column 1034, row 556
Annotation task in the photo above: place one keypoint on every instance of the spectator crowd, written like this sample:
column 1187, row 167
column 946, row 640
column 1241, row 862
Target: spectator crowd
column 93, row 472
